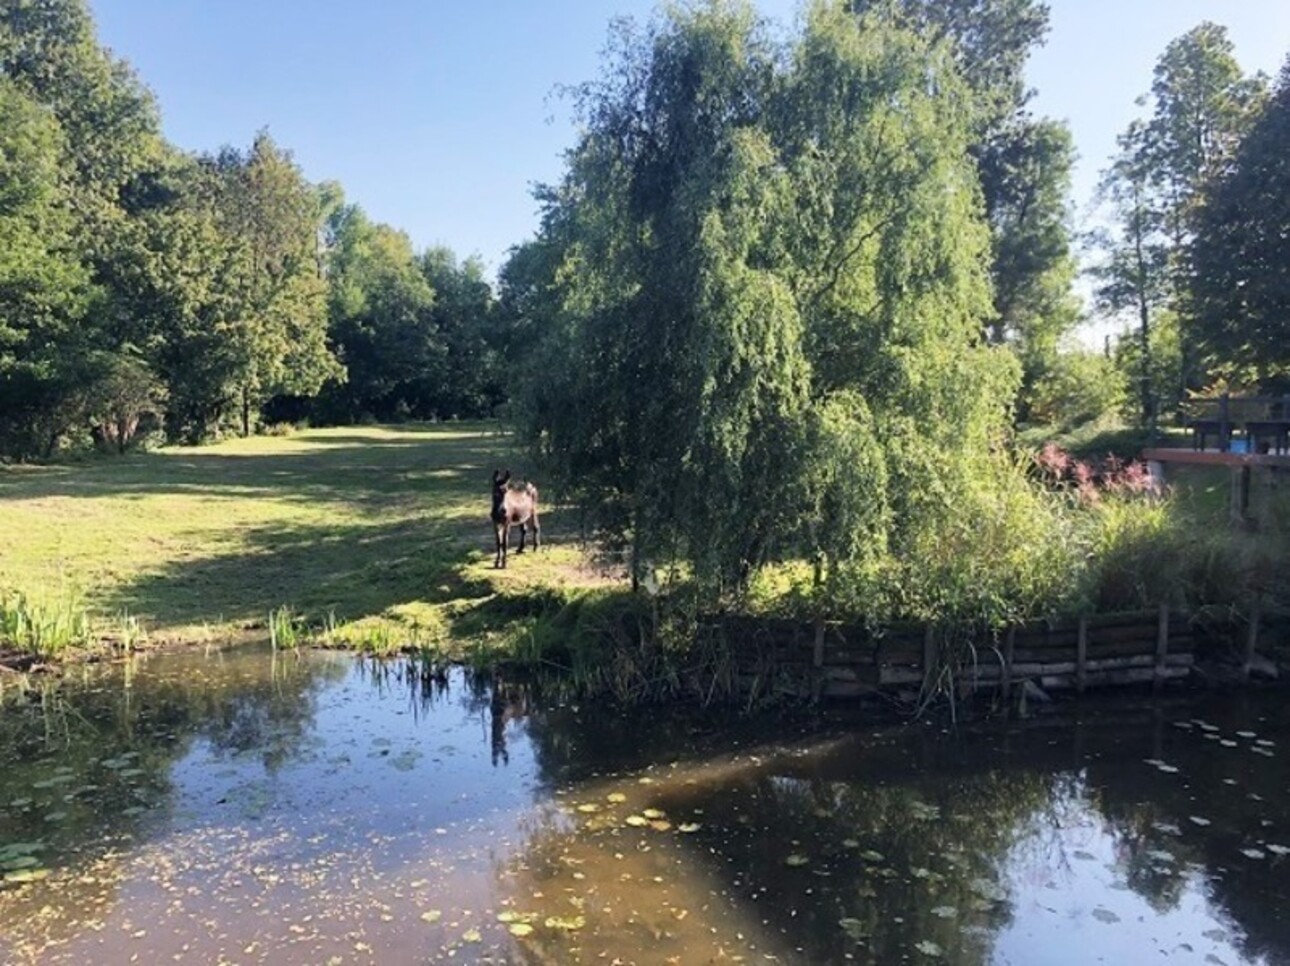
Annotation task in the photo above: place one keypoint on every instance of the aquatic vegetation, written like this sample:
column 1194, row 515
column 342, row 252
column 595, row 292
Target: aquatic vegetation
column 45, row 624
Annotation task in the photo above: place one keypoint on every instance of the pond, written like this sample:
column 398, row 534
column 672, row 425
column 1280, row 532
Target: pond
column 247, row 807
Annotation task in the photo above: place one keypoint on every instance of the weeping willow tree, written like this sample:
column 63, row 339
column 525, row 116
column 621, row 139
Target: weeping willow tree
column 761, row 286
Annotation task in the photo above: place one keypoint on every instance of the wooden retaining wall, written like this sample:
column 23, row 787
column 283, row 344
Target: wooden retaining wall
column 830, row 659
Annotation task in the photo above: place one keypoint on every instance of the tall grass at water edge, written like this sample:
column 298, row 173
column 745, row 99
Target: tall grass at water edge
column 46, row 625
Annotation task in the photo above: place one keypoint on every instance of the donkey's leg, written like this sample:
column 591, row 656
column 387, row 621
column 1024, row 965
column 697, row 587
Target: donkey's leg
column 537, row 533
column 524, row 532
column 497, row 541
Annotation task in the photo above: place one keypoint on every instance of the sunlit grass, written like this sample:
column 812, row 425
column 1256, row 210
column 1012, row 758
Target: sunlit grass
column 373, row 538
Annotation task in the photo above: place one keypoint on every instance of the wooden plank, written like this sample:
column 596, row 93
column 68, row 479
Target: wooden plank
column 1252, row 639
column 1162, row 643
column 1081, row 656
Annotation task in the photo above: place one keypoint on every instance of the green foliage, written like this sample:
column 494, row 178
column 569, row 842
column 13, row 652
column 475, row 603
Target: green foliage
column 205, row 286
column 44, row 624
column 1078, row 387
column 1240, row 283
column 1023, row 163
column 1203, row 105
column 763, row 262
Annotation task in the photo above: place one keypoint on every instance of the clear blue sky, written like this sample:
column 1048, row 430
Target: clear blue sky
column 437, row 116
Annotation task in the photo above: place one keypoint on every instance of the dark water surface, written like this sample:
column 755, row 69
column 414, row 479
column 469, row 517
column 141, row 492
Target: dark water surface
column 243, row 808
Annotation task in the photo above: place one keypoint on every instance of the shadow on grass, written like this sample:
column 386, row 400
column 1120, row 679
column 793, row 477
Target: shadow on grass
column 349, row 571
column 360, row 471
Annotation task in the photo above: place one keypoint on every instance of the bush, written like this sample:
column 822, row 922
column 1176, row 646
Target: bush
column 1080, row 387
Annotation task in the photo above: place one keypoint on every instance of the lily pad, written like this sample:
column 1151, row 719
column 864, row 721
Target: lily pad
column 853, row 928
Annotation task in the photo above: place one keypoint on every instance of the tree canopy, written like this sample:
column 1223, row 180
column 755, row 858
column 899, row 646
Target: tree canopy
column 764, row 259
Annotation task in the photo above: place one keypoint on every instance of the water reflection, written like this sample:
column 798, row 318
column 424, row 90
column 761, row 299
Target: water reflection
column 255, row 807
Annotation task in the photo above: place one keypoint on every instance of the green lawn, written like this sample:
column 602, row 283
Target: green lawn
column 378, row 526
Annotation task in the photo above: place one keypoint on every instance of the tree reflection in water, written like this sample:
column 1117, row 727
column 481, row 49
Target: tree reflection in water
column 557, row 831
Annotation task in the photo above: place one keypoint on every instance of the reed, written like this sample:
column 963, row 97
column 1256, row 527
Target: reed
column 45, row 625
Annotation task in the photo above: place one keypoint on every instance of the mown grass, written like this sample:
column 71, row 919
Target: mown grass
column 375, row 538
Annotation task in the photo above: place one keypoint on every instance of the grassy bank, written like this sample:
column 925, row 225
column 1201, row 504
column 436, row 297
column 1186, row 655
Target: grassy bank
column 377, row 536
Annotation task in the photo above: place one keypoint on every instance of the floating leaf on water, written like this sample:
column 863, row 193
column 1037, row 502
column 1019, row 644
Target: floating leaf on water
column 924, row 812
column 929, row 948
column 1279, row 850
column 1228, row 743
column 636, row 821
column 1168, row 828
column 432, row 915
column 689, row 827
column 853, row 928
column 568, row 924
column 987, row 889
column 1245, row 734
column 1167, row 769
column 1254, row 853
column 588, row 807
column 1160, row 855
column 55, row 816
column 652, row 813
column 471, row 936
column 26, row 875
column 870, row 855
column 1198, row 820
column 918, row 872
column 660, row 825
column 850, row 844
column 508, row 916
column 945, row 912
column 1105, row 915
column 1264, row 743
column 795, row 860
column 616, row 797
column 520, row 929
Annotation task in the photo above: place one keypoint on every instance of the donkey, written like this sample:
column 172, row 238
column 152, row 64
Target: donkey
column 513, row 507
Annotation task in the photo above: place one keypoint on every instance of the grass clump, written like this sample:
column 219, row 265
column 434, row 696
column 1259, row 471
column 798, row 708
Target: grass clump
column 46, row 625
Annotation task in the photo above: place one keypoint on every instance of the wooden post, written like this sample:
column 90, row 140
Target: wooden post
column 1252, row 638
column 1162, row 646
column 1224, row 424
column 1240, row 493
column 1009, row 645
column 1081, row 656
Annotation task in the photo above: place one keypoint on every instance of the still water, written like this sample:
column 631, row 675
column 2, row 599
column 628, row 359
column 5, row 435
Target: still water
column 242, row 808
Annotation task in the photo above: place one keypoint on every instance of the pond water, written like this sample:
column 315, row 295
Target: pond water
column 243, row 807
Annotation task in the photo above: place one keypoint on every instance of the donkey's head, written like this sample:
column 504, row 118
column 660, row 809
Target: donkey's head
column 500, row 479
